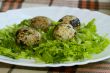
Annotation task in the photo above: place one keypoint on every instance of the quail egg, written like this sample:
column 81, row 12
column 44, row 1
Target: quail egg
column 64, row 32
column 28, row 36
column 41, row 22
column 69, row 19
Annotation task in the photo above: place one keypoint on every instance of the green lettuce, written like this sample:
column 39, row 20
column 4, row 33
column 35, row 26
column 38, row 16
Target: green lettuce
column 85, row 43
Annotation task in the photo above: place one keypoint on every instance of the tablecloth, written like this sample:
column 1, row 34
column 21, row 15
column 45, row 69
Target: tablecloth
column 98, row 5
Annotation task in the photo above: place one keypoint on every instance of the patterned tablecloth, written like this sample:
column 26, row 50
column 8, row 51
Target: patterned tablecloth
column 98, row 5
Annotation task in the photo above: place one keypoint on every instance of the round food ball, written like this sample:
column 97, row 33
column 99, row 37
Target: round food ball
column 69, row 19
column 64, row 32
column 41, row 22
column 28, row 36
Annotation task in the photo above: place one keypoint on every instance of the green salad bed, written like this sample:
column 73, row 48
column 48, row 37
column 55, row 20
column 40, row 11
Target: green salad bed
column 85, row 43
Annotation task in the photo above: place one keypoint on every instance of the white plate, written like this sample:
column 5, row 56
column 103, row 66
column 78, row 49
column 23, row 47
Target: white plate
column 15, row 16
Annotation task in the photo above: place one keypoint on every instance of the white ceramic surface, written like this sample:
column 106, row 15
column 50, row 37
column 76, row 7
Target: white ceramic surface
column 15, row 16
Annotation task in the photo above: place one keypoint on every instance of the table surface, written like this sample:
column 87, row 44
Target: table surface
column 99, row 67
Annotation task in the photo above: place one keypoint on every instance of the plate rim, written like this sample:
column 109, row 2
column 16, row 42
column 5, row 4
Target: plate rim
column 54, row 65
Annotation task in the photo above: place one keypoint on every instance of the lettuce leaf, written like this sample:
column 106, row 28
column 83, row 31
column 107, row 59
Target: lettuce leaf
column 85, row 43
